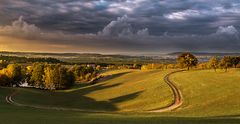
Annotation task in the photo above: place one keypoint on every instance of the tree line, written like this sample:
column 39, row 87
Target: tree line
column 17, row 59
column 223, row 63
column 45, row 76
column 188, row 60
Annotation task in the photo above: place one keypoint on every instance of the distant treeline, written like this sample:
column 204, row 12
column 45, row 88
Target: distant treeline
column 16, row 59
column 188, row 60
column 93, row 58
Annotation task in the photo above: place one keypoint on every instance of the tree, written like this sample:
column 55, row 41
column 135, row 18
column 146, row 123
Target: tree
column 80, row 72
column 187, row 60
column 49, row 77
column 14, row 73
column 98, row 67
column 235, row 60
column 225, row 62
column 213, row 63
column 202, row 65
column 66, row 78
column 3, row 64
column 37, row 75
column 57, row 77
column 4, row 80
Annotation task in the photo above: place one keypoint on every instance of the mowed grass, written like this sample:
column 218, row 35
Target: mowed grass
column 10, row 114
column 208, row 93
column 122, row 90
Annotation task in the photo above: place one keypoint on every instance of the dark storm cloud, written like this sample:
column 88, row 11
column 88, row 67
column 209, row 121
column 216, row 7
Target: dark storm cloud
column 90, row 16
column 126, row 25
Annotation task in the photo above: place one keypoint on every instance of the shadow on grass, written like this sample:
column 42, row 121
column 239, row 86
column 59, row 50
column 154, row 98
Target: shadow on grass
column 74, row 99
column 126, row 97
column 174, row 120
column 109, row 77
column 88, row 85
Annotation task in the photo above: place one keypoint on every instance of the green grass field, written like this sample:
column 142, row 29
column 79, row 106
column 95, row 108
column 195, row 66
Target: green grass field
column 206, row 95
column 124, row 90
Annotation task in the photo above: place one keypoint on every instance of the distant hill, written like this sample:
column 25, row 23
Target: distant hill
column 205, row 54
column 92, row 57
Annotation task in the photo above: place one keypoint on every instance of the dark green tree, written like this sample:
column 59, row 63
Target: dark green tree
column 4, row 80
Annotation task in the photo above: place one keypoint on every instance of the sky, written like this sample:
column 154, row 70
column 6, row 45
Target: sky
column 120, row 26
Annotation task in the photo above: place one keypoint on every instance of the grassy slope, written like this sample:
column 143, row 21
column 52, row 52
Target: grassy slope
column 10, row 114
column 207, row 93
column 23, row 115
column 125, row 90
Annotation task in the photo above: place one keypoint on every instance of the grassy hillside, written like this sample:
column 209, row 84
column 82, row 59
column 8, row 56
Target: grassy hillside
column 10, row 114
column 124, row 90
column 207, row 93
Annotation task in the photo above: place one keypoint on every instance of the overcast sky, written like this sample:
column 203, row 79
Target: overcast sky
column 120, row 26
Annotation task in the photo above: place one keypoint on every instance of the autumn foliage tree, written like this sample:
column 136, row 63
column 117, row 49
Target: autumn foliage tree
column 45, row 76
column 14, row 73
column 57, row 77
column 3, row 64
column 235, row 60
column 49, row 77
column 84, row 73
column 225, row 63
column 37, row 75
column 213, row 63
column 187, row 60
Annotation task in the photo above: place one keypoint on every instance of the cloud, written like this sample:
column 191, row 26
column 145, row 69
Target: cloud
column 211, row 11
column 116, row 28
column 119, row 35
column 230, row 30
column 121, row 28
column 20, row 28
column 90, row 16
column 183, row 15
column 99, row 25
column 143, row 32
column 125, row 6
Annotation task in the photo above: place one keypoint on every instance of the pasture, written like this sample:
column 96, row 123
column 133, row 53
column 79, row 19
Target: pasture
column 126, row 96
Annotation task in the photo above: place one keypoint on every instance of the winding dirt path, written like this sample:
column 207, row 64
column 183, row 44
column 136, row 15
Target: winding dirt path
column 178, row 100
column 10, row 100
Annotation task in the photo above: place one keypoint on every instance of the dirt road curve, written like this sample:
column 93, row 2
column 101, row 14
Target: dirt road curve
column 178, row 99
column 11, row 101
